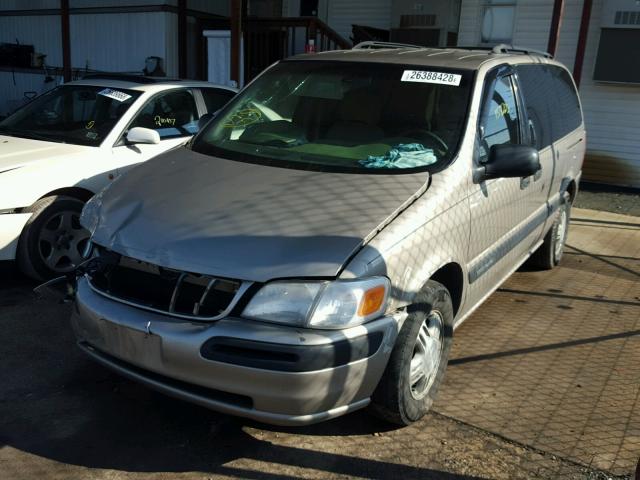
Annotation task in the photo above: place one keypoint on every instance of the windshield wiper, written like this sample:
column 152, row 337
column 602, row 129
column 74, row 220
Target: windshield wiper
column 28, row 134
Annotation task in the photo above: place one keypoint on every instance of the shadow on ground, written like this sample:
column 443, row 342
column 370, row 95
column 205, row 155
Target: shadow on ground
column 57, row 404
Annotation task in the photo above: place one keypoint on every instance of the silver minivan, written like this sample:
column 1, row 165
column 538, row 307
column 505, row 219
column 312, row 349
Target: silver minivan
column 312, row 250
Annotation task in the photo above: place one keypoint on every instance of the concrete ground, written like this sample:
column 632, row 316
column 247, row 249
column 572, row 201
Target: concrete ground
column 544, row 382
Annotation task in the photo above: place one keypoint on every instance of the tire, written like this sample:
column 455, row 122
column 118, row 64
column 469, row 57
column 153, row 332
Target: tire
column 549, row 254
column 398, row 398
column 52, row 241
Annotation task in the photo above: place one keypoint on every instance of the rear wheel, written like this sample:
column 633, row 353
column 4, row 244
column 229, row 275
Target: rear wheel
column 419, row 359
column 52, row 242
column 549, row 254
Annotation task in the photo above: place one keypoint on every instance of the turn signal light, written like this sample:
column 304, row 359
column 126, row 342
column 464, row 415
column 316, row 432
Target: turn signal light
column 371, row 301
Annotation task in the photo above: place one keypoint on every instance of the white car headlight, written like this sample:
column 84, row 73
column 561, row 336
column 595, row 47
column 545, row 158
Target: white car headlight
column 330, row 305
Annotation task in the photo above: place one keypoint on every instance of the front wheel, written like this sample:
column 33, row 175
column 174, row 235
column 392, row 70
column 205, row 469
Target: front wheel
column 52, row 241
column 419, row 359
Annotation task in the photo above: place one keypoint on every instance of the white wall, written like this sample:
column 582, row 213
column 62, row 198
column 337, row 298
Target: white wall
column 612, row 112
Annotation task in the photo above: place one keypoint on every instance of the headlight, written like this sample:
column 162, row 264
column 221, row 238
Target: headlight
column 330, row 305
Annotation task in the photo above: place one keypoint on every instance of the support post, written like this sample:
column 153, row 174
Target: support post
column 66, row 40
column 182, row 38
column 556, row 23
column 582, row 41
column 235, row 16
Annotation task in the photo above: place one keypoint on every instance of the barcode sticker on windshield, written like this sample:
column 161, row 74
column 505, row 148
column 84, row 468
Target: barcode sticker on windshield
column 116, row 95
column 431, row 77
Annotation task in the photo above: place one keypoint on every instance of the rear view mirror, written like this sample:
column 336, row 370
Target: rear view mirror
column 142, row 135
column 204, row 119
column 508, row 161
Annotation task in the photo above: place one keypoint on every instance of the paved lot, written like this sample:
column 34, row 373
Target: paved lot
column 552, row 359
column 544, row 383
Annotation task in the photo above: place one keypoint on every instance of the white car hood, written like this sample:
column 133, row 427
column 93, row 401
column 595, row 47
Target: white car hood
column 18, row 152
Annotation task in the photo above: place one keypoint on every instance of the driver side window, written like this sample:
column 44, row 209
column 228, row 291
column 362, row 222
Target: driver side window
column 500, row 124
column 172, row 114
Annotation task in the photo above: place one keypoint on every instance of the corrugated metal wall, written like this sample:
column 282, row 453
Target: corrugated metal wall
column 121, row 41
column 44, row 33
column 28, row 5
column 117, row 42
column 342, row 14
column 611, row 111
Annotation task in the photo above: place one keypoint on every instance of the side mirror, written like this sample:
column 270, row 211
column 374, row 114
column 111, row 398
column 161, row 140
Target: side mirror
column 142, row 135
column 508, row 161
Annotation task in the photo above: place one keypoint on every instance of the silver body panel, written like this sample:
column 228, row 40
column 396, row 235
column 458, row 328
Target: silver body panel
column 225, row 218
column 171, row 347
column 272, row 223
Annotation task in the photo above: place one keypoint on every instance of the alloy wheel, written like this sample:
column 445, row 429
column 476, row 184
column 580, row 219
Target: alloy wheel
column 62, row 240
column 427, row 353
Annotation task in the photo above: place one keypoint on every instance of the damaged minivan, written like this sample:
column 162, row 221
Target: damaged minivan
column 311, row 251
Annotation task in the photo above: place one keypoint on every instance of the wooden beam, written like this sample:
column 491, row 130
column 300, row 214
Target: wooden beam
column 66, row 40
column 556, row 23
column 235, row 17
column 182, row 38
column 582, row 41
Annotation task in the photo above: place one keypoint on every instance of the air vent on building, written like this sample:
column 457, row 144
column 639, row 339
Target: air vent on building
column 627, row 18
column 413, row 21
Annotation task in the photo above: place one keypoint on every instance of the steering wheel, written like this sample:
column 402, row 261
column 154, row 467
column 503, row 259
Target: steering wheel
column 418, row 132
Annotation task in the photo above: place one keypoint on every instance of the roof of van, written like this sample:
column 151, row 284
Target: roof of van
column 459, row 57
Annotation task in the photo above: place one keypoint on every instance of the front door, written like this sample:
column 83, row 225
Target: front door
column 503, row 213
column 173, row 114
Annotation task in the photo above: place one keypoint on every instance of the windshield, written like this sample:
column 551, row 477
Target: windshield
column 339, row 116
column 79, row 114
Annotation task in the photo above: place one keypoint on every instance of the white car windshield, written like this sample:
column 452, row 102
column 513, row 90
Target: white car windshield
column 359, row 117
column 79, row 114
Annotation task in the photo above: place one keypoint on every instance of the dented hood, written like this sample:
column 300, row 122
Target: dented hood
column 203, row 214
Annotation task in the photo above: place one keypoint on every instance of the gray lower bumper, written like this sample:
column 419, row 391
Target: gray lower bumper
column 167, row 357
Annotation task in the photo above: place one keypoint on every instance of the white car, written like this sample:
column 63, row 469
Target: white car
column 68, row 144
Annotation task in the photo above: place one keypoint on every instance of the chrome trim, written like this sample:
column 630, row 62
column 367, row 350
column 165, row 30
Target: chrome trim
column 244, row 286
column 176, row 290
column 196, row 307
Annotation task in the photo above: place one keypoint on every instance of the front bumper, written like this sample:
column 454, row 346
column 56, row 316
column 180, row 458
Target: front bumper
column 11, row 225
column 242, row 375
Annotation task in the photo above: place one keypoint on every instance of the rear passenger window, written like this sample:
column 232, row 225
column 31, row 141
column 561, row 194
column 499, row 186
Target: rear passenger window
column 537, row 87
column 216, row 98
column 500, row 124
column 567, row 103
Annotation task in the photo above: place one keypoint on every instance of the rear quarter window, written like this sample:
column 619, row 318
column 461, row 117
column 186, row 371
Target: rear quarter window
column 551, row 102
column 536, row 86
column 567, row 104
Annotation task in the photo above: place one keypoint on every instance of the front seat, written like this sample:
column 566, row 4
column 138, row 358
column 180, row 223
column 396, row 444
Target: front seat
column 358, row 119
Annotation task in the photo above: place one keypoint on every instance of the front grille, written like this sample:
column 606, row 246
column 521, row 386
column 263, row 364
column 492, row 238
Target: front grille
column 164, row 290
